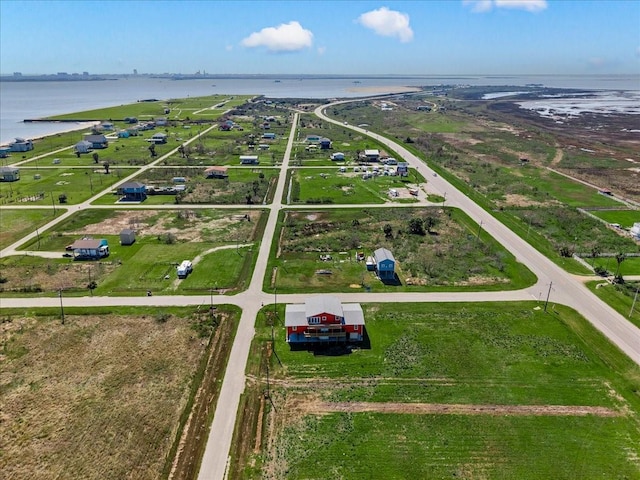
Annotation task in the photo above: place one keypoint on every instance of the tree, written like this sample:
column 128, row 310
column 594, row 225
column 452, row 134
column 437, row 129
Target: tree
column 96, row 157
column 152, row 150
column 416, row 226
column 595, row 252
column 620, row 257
column 106, row 167
column 388, row 230
column 430, row 222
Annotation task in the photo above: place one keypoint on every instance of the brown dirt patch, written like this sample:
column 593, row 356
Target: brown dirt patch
column 159, row 222
column 461, row 409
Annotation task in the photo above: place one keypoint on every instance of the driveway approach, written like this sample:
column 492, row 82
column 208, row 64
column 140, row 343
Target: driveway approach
column 566, row 290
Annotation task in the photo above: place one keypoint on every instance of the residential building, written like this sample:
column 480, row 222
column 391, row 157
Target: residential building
column 324, row 319
column 9, row 174
column 90, row 249
column 97, row 141
column 21, row 145
column 132, row 192
column 385, row 264
column 372, row 155
column 216, row 172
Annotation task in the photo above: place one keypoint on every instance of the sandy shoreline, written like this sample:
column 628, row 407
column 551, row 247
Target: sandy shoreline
column 69, row 127
column 382, row 90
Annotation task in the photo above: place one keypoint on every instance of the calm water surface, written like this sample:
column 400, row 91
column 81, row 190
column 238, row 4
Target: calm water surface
column 21, row 100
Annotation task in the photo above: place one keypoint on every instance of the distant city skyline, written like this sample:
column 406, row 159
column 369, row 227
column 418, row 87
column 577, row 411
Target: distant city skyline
column 455, row 37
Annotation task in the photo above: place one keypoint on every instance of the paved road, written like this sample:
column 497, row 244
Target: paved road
column 566, row 290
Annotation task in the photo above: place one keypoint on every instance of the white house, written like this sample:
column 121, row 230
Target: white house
column 635, row 230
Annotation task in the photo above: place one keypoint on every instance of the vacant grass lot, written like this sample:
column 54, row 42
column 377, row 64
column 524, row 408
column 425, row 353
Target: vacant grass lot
column 42, row 186
column 98, row 397
column 448, row 258
column 484, row 356
column 619, row 297
column 625, row 218
column 328, row 185
column 15, row 224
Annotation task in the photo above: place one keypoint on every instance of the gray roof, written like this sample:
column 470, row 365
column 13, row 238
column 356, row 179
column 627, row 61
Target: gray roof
column 383, row 254
column 323, row 304
column 296, row 315
column 132, row 185
column 90, row 243
column 9, row 169
column 95, row 138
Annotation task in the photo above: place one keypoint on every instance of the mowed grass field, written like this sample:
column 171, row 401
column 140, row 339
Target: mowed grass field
column 626, row 218
column 102, row 396
column 15, row 224
column 498, row 391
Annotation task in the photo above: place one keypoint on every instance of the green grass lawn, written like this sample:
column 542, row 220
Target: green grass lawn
column 629, row 266
column 180, row 109
column 313, row 186
column 619, row 297
column 475, row 354
column 15, row 224
column 626, row 218
column 42, row 186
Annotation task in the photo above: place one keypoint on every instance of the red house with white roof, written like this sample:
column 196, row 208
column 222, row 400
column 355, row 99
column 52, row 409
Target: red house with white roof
column 322, row 319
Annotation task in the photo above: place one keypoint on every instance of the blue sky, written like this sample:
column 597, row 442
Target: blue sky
column 321, row 37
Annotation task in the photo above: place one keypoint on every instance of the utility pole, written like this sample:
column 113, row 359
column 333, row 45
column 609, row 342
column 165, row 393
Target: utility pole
column 634, row 301
column 275, row 300
column 479, row 230
column 61, row 307
column 53, row 204
column 548, row 294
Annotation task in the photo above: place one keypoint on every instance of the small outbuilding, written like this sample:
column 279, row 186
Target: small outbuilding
column 325, row 144
column 338, row 156
column 249, row 160
column 9, row 174
column 159, row 138
column 127, row 237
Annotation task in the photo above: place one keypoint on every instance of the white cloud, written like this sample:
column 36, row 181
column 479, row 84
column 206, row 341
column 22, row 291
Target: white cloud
column 287, row 37
column 387, row 23
column 480, row 6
